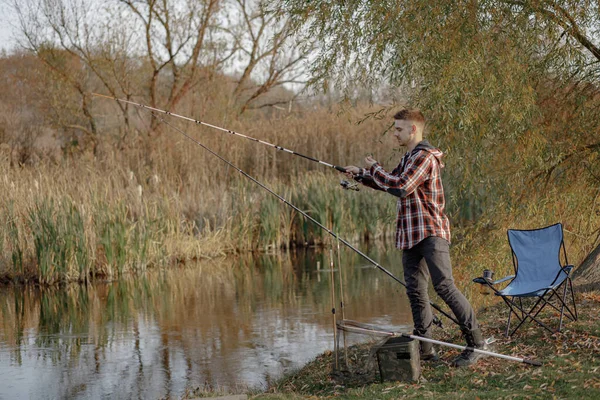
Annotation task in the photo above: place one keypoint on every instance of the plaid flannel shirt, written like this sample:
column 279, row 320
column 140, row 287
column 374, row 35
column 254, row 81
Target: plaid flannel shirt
column 418, row 184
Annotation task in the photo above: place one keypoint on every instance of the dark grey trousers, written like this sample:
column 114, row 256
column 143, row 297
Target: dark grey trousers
column 431, row 257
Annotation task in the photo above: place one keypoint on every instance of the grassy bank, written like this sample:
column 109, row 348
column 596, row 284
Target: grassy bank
column 570, row 367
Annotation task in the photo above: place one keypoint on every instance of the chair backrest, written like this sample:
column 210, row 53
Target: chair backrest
column 537, row 253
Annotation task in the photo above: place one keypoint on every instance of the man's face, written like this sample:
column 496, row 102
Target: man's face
column 402, row 131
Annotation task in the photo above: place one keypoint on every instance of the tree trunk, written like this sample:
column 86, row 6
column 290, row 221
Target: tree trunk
column 588, row 272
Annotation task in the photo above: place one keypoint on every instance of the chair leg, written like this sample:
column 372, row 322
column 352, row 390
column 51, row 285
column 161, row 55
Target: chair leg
column 531, row 314
column 510, row 302
column 533, row 317
column 572, row 314
column 510, row 311
column 523, row 313
column 572, row 299
column 549, row 303
column 542, row 302
column 562, row 307
column 540, row 323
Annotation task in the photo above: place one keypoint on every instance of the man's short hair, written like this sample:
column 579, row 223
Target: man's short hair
column 410, row 114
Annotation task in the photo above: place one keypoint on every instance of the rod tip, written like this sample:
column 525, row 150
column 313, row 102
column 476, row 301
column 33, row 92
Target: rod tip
column 532, row 362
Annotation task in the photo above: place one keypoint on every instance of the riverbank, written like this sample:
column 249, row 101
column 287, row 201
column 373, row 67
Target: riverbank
column 570, row 366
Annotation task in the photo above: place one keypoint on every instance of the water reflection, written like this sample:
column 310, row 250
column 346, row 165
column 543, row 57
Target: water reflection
column 232, row 322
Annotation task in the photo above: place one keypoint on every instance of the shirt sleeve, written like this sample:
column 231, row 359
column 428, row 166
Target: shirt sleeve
column 366, row 179
column 416, row 171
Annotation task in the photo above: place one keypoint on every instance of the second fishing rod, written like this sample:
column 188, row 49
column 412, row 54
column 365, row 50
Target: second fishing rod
column 303, row 213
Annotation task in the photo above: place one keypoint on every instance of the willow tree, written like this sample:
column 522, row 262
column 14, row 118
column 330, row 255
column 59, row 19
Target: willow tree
column 510, row 87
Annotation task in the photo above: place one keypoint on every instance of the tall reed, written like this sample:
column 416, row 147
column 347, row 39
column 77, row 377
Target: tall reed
column 162, row 200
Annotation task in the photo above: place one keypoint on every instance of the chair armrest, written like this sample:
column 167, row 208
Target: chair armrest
column 483, row 281
column 568, row 268
column 506, row 278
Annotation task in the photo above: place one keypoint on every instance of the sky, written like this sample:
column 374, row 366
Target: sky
column 7, row 40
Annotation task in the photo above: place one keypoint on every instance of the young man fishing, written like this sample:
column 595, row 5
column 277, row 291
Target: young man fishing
column 423, row 232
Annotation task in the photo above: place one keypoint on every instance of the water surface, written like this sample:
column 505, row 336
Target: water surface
column 228, row 323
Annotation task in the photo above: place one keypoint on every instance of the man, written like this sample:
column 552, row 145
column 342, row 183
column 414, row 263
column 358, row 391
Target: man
column 423, row 232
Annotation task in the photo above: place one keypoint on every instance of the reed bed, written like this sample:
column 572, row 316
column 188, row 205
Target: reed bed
column 158, row 200
column 163, row 201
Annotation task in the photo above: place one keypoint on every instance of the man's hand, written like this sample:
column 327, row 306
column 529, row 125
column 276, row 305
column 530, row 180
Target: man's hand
column 369, row 161
column 351, row 171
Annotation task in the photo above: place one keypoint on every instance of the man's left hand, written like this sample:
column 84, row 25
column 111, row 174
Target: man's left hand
column 352, row 171
column 369, row 161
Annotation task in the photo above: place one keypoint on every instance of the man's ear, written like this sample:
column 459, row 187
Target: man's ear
column 413, row 129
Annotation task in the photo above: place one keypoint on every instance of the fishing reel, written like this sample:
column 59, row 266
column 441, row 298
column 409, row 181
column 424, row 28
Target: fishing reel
column 348, row 185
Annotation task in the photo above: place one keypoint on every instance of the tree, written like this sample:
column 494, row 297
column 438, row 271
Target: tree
column 159, row 50
column 589, row 270
column 510, row 88
column 486, row 72
column 271, row 54
column 128, row 46
column 176, row 35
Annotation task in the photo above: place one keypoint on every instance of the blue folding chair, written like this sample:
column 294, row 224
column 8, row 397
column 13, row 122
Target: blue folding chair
column 539, row 276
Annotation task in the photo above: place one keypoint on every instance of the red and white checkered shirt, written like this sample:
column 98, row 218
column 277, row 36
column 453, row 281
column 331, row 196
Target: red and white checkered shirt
column 418, row 184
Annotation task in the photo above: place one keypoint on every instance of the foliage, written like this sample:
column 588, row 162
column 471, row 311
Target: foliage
column 509, row 87
column 509, row 91
column 160, row 51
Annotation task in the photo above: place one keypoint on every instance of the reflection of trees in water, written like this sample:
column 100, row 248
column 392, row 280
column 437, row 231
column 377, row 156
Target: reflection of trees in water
column 224, row 294
column 183, row 324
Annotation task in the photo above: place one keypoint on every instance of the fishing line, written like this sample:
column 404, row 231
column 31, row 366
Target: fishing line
column 335, row 338
column 437, row 321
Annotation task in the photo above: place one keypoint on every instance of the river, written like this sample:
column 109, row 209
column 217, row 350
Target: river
column 231, row 323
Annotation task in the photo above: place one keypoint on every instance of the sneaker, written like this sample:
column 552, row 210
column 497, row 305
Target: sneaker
column 428, row 352
column 431, row 355
column 469, row 357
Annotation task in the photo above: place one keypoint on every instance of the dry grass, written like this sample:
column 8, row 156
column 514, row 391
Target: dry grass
column 157, row 200
column 164, row 200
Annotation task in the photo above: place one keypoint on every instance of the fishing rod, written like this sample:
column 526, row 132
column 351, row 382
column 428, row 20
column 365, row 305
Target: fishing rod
column 437, row 321
column 353, row 326
column 340, row 169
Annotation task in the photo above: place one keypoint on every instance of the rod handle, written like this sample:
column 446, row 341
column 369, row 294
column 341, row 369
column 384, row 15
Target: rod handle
column 341, row 169
column 532, row 362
